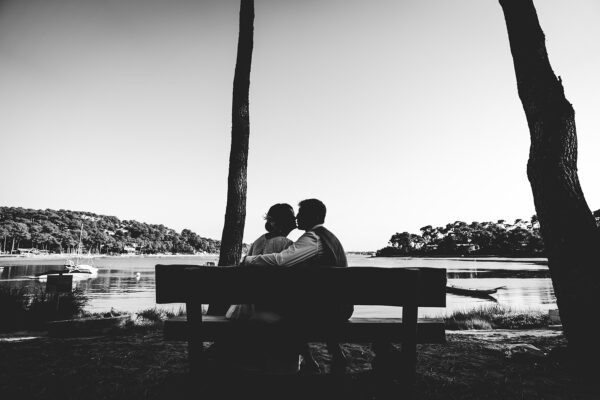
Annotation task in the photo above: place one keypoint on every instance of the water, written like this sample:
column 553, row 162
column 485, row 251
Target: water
column 127, row 283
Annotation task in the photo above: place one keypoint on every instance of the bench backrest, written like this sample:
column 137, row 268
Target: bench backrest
column 421, row 287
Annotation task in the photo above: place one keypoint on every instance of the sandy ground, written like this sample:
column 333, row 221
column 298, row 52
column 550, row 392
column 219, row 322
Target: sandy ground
column 140, row 365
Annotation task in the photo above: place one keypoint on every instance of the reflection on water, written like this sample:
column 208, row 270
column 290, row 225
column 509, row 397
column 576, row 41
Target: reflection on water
column 127, row 283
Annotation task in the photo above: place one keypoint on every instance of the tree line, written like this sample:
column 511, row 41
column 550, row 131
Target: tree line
column 519, row 239
column 60, row 232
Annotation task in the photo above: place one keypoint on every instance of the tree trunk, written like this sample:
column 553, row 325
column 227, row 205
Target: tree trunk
column 566, row 222
column 235, row 213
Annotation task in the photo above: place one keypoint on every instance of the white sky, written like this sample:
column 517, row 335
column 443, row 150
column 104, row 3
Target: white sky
column 397, row 114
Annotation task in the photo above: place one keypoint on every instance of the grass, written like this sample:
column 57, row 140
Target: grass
column 24, row 310
column 20, row 309
column 143, row 365
column 155, row 315
column 481, row 318
column 496, row 317
column 138, row 363
column 146, row 320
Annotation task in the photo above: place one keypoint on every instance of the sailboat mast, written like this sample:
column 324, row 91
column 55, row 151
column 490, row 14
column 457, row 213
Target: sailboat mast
column 80, row 234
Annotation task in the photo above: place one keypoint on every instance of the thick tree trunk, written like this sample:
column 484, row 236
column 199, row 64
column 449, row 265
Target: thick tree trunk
column 567, row 225
column 235, row 213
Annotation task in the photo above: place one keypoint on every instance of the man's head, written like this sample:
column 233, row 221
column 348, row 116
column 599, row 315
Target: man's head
column 311, row 212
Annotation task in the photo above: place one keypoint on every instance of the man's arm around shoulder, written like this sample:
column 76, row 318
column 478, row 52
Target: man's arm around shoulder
column 306, row 247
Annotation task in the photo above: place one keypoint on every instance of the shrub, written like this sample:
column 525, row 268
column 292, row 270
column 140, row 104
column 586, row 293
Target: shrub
column 496, row 317
column 155, row 315
column 20, row 309
column 13, row 307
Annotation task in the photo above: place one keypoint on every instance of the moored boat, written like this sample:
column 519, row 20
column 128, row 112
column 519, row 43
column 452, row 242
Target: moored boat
column 74, row 268
column 472, row 291
column 79, row 272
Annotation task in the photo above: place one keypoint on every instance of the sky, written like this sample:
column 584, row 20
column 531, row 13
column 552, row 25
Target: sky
column 395, row 113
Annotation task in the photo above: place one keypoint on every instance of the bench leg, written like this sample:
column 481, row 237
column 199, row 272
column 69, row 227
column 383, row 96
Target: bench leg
column 195, row 350
column 195, row 346
column 409, row 349
column 385, row 369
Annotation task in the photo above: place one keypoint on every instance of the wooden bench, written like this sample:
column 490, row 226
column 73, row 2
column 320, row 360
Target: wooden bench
column 409, row 288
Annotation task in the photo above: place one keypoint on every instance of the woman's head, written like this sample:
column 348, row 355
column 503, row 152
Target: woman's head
column 280, row 219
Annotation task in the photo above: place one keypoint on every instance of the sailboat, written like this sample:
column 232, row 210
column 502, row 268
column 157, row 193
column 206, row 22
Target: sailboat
column 74, row 268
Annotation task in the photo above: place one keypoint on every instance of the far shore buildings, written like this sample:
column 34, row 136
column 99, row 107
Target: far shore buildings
column 467, row 247
column 30, row 251
column 130, row 249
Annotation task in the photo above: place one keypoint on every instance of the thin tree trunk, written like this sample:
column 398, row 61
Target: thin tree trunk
column 235, row 213
column 567, row 225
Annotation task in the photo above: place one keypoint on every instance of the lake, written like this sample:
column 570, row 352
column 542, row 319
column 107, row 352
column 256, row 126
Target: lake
column 526, row 282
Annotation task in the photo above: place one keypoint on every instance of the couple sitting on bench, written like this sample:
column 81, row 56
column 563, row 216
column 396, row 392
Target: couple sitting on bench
column 317, row 247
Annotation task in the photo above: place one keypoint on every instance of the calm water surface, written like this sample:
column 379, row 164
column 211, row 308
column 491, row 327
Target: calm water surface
column 526, row 282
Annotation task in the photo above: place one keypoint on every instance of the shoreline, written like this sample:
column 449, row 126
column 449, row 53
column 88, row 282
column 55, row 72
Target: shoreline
column 10, row 257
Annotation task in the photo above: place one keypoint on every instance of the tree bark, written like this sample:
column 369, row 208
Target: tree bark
column 571, row 238
column 235, row 212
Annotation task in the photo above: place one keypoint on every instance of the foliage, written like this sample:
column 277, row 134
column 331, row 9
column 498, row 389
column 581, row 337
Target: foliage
column 59, row 231
column 152, row 315
column 155, row 315
column 496, row 317
column 108, row 314
column 519, row 239
column 13, row 307
column 46, row 306
column 20, row 309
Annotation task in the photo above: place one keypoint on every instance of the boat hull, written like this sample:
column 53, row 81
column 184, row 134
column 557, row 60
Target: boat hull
column 76, row 276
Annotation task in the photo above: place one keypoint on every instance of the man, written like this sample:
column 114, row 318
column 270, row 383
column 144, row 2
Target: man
column 316, row 247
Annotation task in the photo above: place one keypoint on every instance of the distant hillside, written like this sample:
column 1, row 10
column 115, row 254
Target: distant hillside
column 519, row 239
column 58, row 232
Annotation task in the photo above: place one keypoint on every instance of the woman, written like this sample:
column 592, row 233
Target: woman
column 267, row 357
column 280, row 221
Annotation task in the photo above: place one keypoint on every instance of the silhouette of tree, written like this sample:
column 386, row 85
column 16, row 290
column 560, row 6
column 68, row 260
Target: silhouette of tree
column 566, row 223
column 235, row 212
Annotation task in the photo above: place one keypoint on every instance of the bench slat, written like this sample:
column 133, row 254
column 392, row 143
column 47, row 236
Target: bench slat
column 354, row 285
column 357, row 330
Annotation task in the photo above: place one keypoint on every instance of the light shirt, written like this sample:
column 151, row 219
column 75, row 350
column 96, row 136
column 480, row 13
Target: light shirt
column 307, row 247
column 262, row 245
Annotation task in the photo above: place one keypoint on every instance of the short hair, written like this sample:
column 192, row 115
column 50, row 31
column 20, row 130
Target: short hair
column 314, row 209
column 282, row 215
